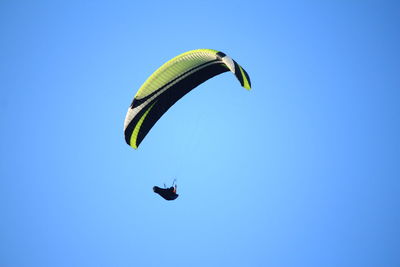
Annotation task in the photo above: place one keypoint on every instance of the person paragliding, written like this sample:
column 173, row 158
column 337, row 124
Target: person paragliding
column 167, row 85
column 167, row 193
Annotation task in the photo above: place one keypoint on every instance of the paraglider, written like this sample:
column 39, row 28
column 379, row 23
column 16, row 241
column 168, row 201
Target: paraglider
column 166, row 86
column 167, row 193
column 170, row 83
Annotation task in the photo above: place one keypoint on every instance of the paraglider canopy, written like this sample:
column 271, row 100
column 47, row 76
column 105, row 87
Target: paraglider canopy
column 171, row 82
column 166, row 193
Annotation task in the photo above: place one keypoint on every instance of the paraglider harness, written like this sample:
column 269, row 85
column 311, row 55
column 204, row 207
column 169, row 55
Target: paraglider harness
column 167, row 193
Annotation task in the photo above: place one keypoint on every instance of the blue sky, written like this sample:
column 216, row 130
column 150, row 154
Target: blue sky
column 303, row 170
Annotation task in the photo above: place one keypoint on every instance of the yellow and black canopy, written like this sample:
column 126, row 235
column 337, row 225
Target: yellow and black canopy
column 170, row 83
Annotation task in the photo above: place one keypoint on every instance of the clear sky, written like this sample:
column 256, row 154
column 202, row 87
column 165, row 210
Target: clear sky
column 303, row 170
